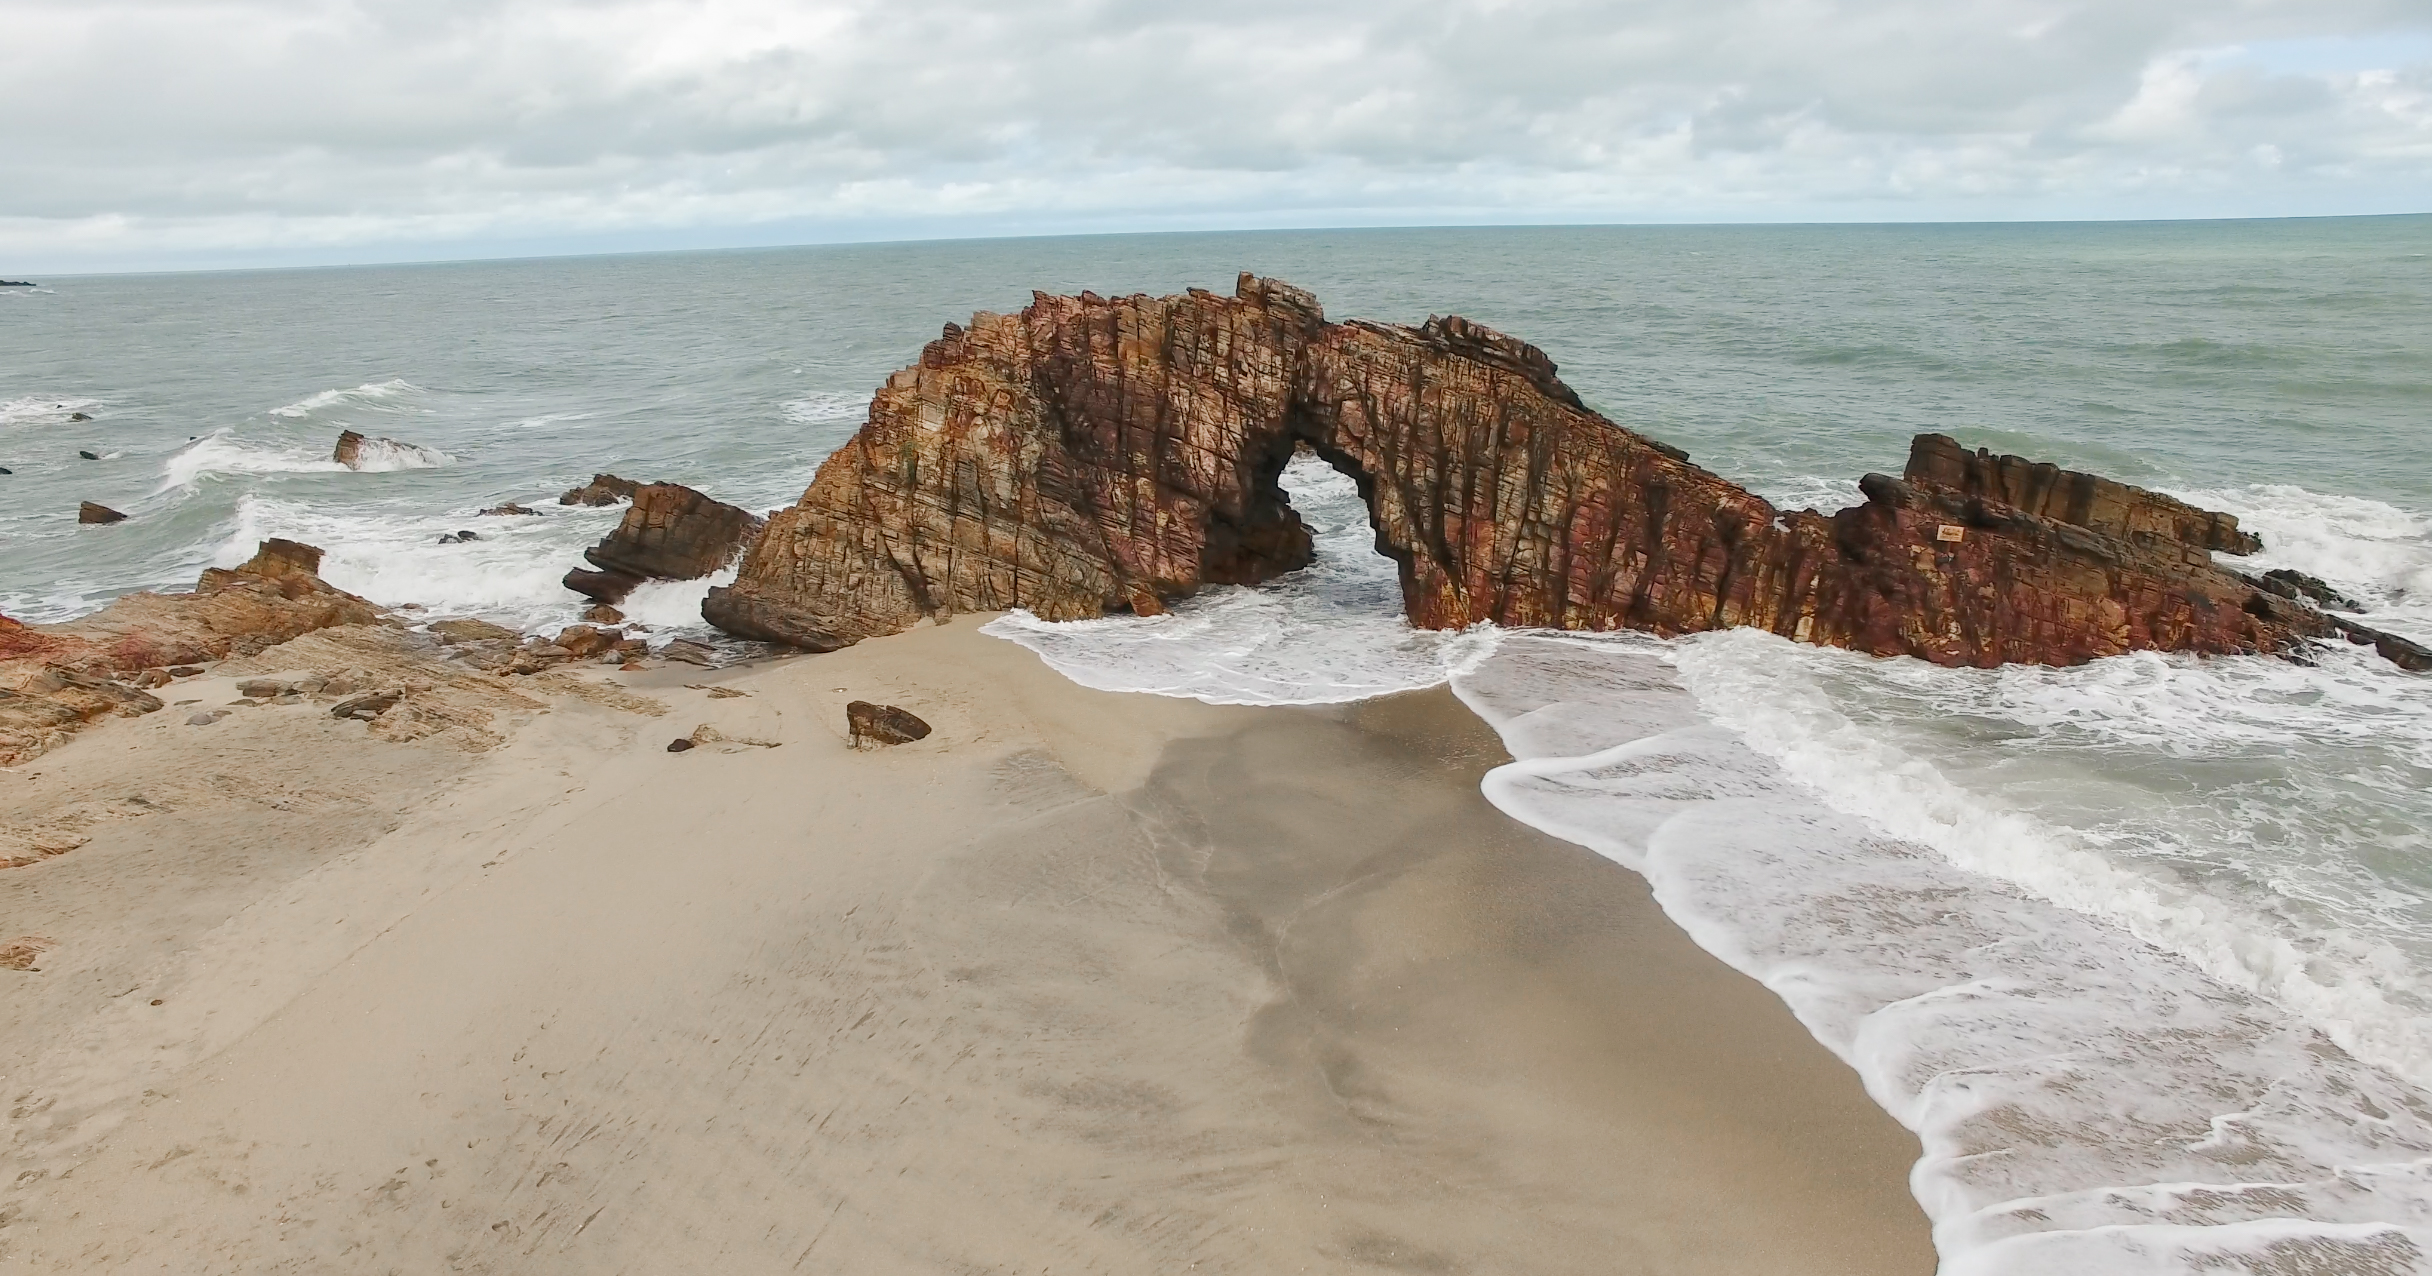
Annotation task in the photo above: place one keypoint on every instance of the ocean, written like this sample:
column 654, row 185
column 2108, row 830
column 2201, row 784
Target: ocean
column 2142, row 950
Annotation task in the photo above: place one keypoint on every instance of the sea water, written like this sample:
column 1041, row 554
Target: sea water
column 2142, row 950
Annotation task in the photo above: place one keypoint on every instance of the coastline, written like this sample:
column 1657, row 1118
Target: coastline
column 1086, row 979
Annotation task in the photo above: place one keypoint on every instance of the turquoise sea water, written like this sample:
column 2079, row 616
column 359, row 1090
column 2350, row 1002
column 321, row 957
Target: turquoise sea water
column 2241, row 848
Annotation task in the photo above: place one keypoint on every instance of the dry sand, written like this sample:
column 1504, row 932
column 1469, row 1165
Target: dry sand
column 1082, row 983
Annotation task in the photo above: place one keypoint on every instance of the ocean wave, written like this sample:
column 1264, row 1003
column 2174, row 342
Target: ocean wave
column 511, row 575
column 2373, row 551
column 2085, row 1102
column 36, row 410
column 368, row 392
column 221, row 452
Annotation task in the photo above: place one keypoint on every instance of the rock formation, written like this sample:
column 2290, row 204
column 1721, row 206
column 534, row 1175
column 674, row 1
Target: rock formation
column 603, row 489
column 356, row 452
column 55, row 679
column 1091, row 455
column 89, row 512
column 671, row 532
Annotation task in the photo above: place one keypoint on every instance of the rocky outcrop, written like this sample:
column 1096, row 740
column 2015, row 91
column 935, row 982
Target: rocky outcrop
column 55, row 679
column 2067, row 496
column 1094, row 455
column 603, row 489
column 671, row 532
column 88, row 512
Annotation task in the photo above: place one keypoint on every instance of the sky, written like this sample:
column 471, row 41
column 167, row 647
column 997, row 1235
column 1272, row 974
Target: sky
column 162, row 134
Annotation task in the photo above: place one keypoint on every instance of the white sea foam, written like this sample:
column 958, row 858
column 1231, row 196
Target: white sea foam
column 510, row 575
column 368, row 392
column 221, row 452
column 2375, row 552
column 385, row 456
column 37, row 410
column 667, row 605
column 825, row 408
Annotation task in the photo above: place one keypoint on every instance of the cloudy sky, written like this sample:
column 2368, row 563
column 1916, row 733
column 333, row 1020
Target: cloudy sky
column 151, row 133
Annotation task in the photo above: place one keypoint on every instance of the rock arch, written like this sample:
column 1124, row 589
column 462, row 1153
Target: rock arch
column 1093, row 455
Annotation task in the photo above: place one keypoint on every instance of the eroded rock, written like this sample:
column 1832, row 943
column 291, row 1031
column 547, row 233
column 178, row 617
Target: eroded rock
column 90, row 512
column 1092, row 455
column 671, row 532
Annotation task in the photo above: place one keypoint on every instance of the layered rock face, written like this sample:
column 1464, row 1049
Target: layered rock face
column 671, row 532
column 1091, row 455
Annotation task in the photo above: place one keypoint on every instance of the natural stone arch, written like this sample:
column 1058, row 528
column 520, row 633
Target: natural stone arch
column 1093, row 455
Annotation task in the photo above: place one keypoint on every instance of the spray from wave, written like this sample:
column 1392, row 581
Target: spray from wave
column 370, row 392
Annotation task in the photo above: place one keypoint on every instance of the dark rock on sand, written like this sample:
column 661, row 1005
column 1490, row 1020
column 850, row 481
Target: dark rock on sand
column 671, row 532
column 603, row 489
column 89, row 512
column 883, row 723
column 679, row 745
column 1092, row 455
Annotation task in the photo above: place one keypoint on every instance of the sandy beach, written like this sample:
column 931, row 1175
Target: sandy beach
column 1082, row 982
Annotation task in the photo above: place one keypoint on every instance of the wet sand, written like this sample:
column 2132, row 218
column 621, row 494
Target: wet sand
column 1082, row 982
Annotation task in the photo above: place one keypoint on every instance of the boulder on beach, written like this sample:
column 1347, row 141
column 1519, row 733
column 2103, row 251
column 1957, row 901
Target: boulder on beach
column 883, row 723
column 89, row 512
column 671, row 532
column 603, row 489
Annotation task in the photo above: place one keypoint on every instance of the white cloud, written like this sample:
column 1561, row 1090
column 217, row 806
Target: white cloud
column 159, row 131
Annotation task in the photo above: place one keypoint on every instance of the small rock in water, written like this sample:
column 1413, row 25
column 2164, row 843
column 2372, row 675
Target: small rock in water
column 679, row 745
column 2290, row 583
column 455, row 538
column 510, row 508
column 603, row 614
column 6, row 470
column 603, row 489
column 87, row 455
column 882, row 722
column 89, row 512
column 78, row 416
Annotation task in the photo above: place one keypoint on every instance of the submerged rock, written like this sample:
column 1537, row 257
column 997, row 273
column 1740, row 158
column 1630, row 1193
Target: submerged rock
column 355, row 451
column 90, row 456
column 2290, row 583
column 1092, row 455
column 511, row 509
column 89, row 512
column 603, row 489
column 883, row 723
column 671, row 532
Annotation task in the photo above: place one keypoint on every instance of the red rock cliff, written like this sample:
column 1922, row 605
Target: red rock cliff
column 1091, row 455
